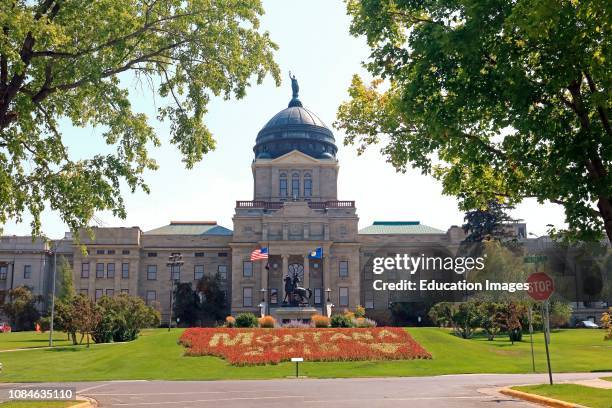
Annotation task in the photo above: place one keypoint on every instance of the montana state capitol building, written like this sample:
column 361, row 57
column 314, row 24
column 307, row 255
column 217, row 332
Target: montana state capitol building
column 294, row 209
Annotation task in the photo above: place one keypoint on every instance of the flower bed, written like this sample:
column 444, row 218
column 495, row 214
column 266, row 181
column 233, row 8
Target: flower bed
column 261, row 346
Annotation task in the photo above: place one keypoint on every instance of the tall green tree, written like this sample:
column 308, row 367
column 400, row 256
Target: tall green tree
column 487, row 223
column 503, row 99
column 21, row 308
column 66, row 284
column 68, row 61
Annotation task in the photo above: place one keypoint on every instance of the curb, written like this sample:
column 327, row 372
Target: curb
column 86, row 402
column 538, row 399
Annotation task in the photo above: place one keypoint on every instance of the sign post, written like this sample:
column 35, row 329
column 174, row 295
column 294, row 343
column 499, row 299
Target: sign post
column 541, row 286
column 297, row 361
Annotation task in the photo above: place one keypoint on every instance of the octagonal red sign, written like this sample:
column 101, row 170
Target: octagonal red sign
column 541, row 286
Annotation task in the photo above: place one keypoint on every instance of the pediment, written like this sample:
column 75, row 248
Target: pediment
column 295, row 209
column 295, row 157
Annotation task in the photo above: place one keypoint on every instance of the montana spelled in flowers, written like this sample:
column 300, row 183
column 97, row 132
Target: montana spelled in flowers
column 261, row 346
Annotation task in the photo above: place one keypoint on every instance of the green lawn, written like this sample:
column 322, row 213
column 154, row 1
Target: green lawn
column 156, row 355
column 577, row 394
column 9, row 341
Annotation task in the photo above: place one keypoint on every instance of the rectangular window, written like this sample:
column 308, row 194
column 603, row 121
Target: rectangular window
column 84, row 292
column 85, row 270
column 199, row 254
column 125, row 291
column 222, row 272
column 151, row 272
column 175, row 271
column 3, row 272
column 99, row 252
column 110, row 270
column 343, row 297
column 317, row 296
column 99, row 294
column 273, row 296
column 247, row 297
column 125, row 252
column 152, row 254
column 295, row 186
column 369, row 300
column 99, row 270
column 343, row 269
column 198, row 272
column 222, row 254
column 27, row 271
column 283, row 187
column 247, row 269
column 307, row 187
column 110, row 292
column 125, row 271
column 111, row 252
column 151, row 296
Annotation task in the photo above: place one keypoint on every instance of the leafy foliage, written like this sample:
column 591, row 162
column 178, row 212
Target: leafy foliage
column 487, row 223
column 341, row 320
column 246, row 319
column 123, row 317
column 206, row 305
column 67, row 62
column 21, row 308
column 500, row 100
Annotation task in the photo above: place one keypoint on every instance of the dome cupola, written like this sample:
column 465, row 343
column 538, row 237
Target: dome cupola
column 295, row 128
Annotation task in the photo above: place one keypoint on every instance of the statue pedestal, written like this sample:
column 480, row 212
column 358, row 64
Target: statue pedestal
column 287, row 313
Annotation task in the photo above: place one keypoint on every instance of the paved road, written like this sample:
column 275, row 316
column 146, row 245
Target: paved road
column 475, row 390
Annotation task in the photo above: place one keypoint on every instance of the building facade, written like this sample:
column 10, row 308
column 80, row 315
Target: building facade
column 294, row 209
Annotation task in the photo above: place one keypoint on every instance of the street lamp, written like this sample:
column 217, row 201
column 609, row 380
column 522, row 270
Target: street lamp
column 263, row 301
column 328, row 291
column 53, row 294
column 174, row 260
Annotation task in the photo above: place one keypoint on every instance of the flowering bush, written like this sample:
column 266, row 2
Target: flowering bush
column 320, row 321
column 606, row 321
column 359, row 311
column 296, row 324
column 363, row 322
column 230, row 321
column 261, row 346
column 342, row 320
column 267, row 322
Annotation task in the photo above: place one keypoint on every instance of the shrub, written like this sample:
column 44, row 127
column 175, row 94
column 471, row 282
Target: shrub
column 296, row 324
column 560, row 314
column 230, row 321
column 44, row 323
column 606, row 322
column 347, row 313
column 363, row 322
column 341, row 320
column 247, row 319
column 320, row 321
column 360, row 311
column 267, row 322
column 122, row 318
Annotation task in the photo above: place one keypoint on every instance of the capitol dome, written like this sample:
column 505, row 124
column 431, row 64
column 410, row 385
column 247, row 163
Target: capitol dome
column 295, row 128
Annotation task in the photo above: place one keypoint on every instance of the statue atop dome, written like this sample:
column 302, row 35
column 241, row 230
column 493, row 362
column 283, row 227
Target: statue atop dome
column 294, row 86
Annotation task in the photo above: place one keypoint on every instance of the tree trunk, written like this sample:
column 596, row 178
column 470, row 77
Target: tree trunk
column 605, row 209
column 74, row 340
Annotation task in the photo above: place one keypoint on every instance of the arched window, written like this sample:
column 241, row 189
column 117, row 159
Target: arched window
column 295, row 185
column 283, row 185
column 307, row 185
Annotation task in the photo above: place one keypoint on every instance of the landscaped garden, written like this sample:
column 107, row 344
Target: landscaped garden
column 156, row 354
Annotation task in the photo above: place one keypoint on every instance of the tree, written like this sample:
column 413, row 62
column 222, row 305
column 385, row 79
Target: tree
column 186, row 304
column 498, row 100
column 212, row 302
column 487, row 223
column 490, row 318
column 65, row 317
column 66, row 289
column 511, row 315
column 21, row 308
column 68, row 62
column 122, row 318
column 87, row 316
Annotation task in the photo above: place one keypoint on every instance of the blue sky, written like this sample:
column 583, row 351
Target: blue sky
column 315, row 45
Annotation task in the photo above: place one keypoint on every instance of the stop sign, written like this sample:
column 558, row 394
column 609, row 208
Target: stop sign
column 541, row 286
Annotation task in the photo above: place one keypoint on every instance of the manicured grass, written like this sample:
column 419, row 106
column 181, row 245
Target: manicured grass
column 156, row 355
column 38, row 404
column 576, row 394
column 16, row 340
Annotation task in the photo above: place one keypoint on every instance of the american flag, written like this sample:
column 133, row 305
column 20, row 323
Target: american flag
column 259, row 253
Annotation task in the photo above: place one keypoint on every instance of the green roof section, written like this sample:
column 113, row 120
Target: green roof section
column 191, row 228
column 399, row 227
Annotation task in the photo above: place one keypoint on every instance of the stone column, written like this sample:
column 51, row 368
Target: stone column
column 307, row 273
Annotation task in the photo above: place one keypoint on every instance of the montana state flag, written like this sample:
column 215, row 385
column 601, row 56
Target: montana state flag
column 316, row 254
